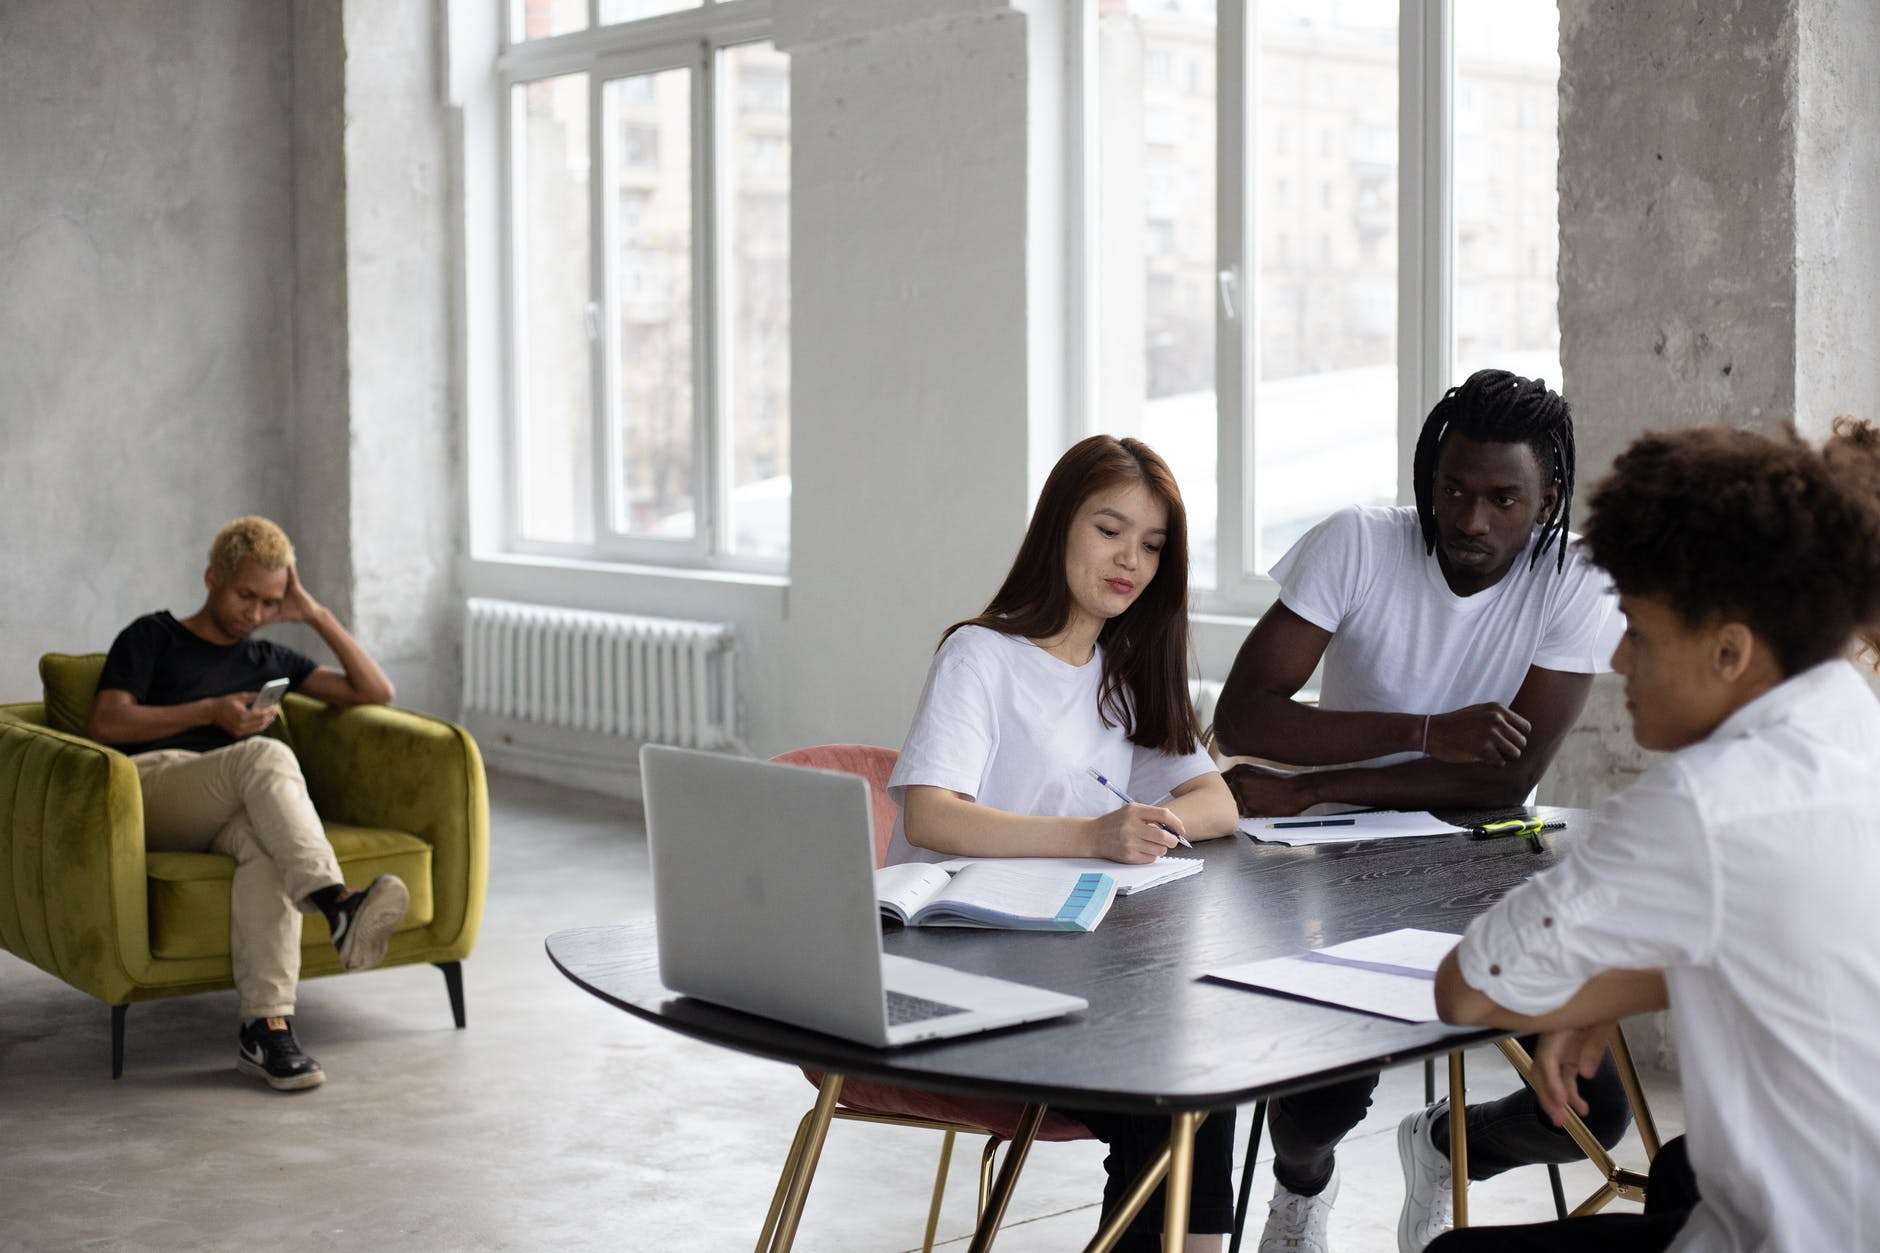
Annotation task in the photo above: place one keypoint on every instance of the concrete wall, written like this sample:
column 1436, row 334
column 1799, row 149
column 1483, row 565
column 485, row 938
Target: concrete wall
column 1837, row 212
column 1719, row 173
column 146, row 302
column 406, row 459
column 909, row 400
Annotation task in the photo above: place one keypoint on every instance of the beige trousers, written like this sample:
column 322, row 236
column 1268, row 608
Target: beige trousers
column 247, row 801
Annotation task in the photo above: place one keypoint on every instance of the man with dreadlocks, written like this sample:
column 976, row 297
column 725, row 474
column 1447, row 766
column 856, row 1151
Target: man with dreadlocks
column 1460, row 639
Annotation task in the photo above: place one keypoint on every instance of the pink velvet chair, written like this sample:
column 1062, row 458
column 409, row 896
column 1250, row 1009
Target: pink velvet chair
column 871, row 1100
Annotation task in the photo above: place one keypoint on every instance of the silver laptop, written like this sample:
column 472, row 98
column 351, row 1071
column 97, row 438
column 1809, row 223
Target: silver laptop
column 764, row 887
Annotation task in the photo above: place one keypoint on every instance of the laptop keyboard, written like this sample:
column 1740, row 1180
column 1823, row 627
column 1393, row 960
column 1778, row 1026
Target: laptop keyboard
column 903, row 1008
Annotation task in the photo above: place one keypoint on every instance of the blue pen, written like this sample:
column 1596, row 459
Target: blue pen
column 1123, row 796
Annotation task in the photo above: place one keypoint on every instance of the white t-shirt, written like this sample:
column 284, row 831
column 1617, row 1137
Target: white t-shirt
column 1745, row 867
column 1006, row 723
column 1403, row 642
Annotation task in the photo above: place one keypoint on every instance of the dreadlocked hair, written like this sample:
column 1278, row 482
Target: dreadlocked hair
column 1494, row 406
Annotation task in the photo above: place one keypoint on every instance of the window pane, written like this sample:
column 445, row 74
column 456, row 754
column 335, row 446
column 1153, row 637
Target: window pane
column 1507, row 198
column 634, row 10
column 649, row 129
column 538, row 19
column 554, row 430
column 755, row 287
column 1325, row 405
column 1155, row 370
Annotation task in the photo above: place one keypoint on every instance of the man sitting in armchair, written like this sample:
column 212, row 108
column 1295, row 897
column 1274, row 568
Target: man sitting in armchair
column 176, row 696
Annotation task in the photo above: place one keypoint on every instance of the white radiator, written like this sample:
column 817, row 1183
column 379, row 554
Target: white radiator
column 654, row 679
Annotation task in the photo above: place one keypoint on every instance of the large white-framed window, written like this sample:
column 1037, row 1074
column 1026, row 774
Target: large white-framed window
column 645, row 210
column 1305, row 220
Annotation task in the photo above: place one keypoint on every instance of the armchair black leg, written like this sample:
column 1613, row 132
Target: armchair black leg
column 453, row 983
column 117, row 1040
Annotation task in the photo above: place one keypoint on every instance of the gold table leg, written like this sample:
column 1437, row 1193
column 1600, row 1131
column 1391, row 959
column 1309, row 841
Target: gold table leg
column 1029, row 1120
column 939, row 1193
column 783, row 1181
column 814, row 1135
column 1138, row 1195
column 1458, row 1141
column 1181, row 1163
column 1635, row 1094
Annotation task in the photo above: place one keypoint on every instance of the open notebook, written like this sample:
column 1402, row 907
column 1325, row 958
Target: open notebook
column 1129, row 879
column 995, row 894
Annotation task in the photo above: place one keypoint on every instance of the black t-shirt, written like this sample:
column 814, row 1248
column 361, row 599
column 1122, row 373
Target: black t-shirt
column 160, row 661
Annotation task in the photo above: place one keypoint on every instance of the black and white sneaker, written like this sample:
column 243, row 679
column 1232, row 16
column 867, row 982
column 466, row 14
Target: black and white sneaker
column 271, row 1054
column 363, row 923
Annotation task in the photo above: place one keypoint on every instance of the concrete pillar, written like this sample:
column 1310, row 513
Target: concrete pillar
column 377, row 469
column 1719, row 181
column 909, row 356
column 146, row 308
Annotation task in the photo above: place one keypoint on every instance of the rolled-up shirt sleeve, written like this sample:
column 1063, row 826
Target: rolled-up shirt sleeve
column 1638, row 891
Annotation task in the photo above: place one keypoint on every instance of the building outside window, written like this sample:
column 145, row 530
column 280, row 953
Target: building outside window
column 647, row 229
column 1320, row 414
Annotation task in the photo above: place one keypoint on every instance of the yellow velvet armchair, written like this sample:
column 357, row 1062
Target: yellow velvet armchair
column 81, row 899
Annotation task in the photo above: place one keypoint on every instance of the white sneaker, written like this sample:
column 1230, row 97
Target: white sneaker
column 1426, row 1181
column 1296, row 1224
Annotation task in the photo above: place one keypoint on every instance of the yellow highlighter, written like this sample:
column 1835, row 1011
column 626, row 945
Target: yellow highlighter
column 1529, row 830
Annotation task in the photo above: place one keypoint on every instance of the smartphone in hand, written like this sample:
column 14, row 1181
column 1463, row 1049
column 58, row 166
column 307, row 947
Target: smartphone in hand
column 270, row 695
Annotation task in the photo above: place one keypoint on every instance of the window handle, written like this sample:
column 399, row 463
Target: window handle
column 591, row 318
column 1230, row 293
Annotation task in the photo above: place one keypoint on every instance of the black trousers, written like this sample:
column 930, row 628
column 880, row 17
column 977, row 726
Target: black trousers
column 1669, row 1198
column 1134, row 1140
column 1513, row 1131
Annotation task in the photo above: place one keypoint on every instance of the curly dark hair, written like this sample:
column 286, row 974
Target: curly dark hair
column 1720, row 523
column 1494, row 406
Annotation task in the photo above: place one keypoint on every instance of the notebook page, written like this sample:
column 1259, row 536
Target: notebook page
column 1128, row 878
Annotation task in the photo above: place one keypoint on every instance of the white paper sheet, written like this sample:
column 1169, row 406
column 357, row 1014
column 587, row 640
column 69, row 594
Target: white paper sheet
column 1347, row 828
column 1408, row 993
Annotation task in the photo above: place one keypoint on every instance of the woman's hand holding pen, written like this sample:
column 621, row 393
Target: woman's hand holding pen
column 1134, row 834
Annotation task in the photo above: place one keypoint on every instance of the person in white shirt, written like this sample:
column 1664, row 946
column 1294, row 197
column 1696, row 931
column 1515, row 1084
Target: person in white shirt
column 1734, row 882
column 1080, row 662
column 1459, row 641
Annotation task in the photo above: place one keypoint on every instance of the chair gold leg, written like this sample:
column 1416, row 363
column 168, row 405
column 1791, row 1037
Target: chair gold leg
column 1029, row 1120
column 1582, row 1135
column 985, row 1175
column 1458, row 1140
column 1635, row 1094
column 939, row 1194
column 1181, row 1164
column 813, row 1136
column 1601, row 1197
column 783, row 1180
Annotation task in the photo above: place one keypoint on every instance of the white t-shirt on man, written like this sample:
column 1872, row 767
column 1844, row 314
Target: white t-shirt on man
column 1403, row 642
column 1006, row 723
column 1745, row 868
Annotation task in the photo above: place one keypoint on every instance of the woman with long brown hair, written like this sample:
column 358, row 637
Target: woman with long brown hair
column 1079, row 664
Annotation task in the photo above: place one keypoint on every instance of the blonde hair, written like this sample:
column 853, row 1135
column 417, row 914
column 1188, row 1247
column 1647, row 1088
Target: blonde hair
column 249, row 537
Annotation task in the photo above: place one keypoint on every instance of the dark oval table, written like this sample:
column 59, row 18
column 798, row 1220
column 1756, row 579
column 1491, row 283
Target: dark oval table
column 1158, row 1037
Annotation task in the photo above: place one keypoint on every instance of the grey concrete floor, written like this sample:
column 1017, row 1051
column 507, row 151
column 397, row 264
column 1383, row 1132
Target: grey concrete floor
column 553, row 1122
